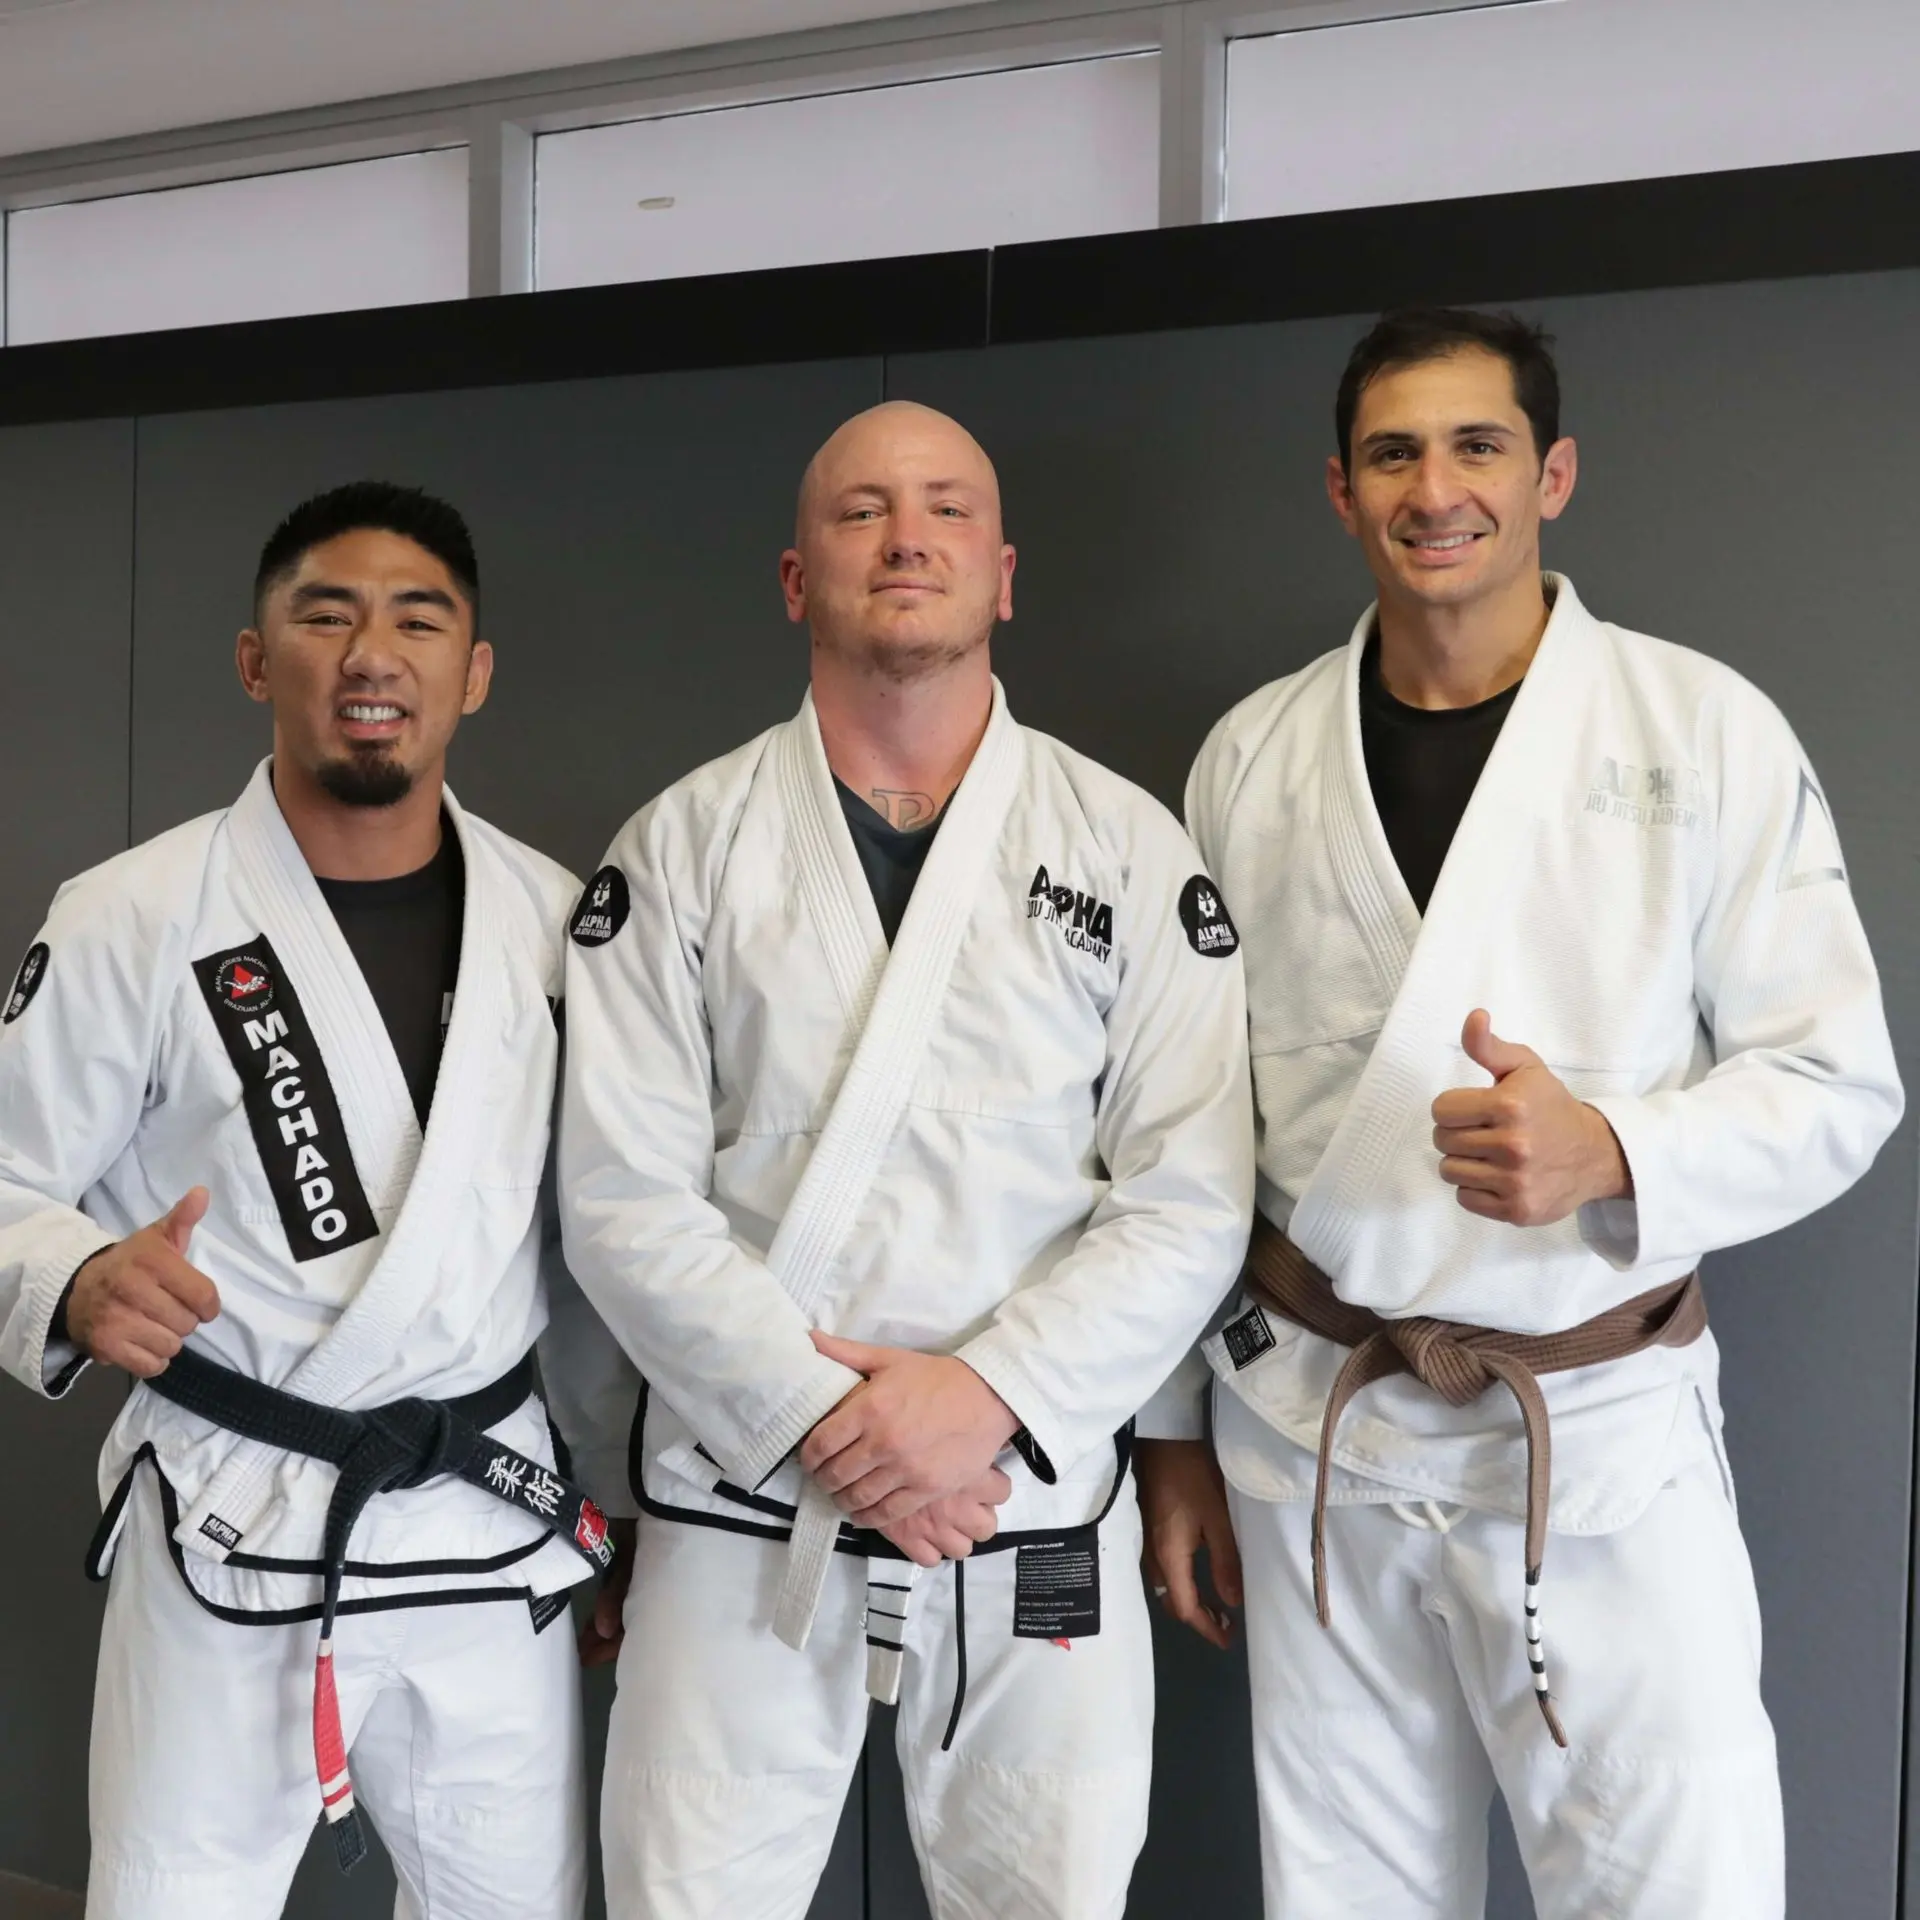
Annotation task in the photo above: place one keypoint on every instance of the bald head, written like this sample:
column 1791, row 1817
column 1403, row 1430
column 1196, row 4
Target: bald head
column 898, row 559
column 896, row 435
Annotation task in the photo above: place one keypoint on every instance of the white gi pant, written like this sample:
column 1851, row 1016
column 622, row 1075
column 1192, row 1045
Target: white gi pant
column 462, row 1725
column 1378, row 1742
column 730, row 1754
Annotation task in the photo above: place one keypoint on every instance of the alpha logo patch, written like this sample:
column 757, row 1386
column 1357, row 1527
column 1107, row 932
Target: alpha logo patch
column 220, row 1532
column 1247, row 1338
column 26, row 983
column 603, row 909
column 1086, row 924
column 1210, row 931
column 290, row 1104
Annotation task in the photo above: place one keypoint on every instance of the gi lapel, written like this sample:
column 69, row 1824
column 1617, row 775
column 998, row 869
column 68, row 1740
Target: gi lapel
column 1433, row 968
column 421, row 1178
column 891, row 1008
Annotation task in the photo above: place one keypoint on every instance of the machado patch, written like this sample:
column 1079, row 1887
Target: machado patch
column 1204, row 915
column 26, row 983
column 603, row 909
column 289, row 1099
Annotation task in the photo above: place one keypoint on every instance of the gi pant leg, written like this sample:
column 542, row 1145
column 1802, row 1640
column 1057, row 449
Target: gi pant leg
column 1378, row 1741
column 463, row 1728
column 730, row 1755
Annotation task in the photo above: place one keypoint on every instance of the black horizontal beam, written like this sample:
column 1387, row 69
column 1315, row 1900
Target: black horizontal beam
column 1760, row 223
column 1764, row 223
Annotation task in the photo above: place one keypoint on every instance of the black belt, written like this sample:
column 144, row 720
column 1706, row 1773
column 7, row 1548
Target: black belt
column 403, row 1444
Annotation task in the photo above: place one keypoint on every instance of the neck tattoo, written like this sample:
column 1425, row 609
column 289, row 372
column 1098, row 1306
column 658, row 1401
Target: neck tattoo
column 903, row 810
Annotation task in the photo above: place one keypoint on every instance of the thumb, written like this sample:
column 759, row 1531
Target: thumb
column 851, row 1353
column 1486, row 1049
column 188, row 1211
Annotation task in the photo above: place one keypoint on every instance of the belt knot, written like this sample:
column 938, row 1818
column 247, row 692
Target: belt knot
column 1439, row 1358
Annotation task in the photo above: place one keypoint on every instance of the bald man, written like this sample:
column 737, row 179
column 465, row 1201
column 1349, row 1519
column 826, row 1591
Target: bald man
column 907, row 1140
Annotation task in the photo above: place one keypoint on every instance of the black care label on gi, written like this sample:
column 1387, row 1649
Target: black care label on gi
column 26, row 983
column 1247, row 1338
column 546, row 1608
column 289, row 1100
column 1204, row 915
column 1056, row 1588
column 603, row 909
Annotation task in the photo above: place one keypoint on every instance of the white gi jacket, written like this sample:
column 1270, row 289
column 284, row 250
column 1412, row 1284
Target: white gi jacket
column 1066, row 1194
column 193, row 1016
column 1647, row 890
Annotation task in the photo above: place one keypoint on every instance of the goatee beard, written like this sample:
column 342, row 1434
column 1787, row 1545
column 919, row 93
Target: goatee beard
column 370, row 780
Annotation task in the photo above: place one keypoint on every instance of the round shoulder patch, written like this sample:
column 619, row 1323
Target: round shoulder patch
column 1204, row 915
column 26, row 983
column 603, row 909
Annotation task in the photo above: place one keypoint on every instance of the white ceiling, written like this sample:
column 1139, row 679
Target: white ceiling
column 81, row 70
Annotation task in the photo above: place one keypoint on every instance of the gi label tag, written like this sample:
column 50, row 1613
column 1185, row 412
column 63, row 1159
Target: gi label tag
column 603, row 909
column 1056, row 1588
column 26, row 983
column 546, row 1608
column 1247, row 1338
column 220, row 1532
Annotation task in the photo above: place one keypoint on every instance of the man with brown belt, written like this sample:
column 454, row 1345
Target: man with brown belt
column 1492, row 807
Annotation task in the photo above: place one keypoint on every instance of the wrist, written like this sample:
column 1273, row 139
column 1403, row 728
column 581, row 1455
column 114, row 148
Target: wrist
column 1609, row 1176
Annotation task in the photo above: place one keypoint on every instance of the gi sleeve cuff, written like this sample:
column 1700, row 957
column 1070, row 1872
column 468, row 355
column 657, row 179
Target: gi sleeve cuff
column 1612, row 1228
column 826, row 1385
column 49, row 1363
column 1179, row 1410
column 1047, row 1436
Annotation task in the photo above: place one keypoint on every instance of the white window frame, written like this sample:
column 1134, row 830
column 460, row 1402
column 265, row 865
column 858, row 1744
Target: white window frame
column 498, row 120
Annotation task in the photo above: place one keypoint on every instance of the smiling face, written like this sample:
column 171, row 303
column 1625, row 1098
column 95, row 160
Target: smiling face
column 366, row 653
column 898, row 565
column 1444, row 487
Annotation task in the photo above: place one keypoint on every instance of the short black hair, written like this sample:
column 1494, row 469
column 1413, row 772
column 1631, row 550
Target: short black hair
column 370, row 505
column 1414, row 335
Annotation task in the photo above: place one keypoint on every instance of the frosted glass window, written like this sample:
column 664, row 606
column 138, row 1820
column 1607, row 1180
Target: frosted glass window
column 1562, row 93
column 1031, row 154
column 376, row 233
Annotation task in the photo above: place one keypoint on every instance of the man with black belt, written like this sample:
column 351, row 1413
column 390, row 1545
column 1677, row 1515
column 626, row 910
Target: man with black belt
column 1555, row 983
column 906, row 1145
column 275, row 1104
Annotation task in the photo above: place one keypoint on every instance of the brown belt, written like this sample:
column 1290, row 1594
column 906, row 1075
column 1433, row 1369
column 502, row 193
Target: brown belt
column 1459, row 1363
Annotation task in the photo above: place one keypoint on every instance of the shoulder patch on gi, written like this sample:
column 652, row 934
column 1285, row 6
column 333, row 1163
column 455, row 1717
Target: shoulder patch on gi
column 1247, row 1338
column 603, row 909
column 1204, row 915
column 26, row 983
column 289, row 1100
column 1813, row 848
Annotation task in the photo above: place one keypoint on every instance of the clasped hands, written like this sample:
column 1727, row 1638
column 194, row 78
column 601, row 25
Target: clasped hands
column 910, row 1451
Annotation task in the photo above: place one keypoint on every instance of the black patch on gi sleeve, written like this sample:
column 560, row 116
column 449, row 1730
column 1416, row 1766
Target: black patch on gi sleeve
column 603, row 909
column 1204, row 915
column 26, row 983
column 289, row 1098
column 1056, row 1588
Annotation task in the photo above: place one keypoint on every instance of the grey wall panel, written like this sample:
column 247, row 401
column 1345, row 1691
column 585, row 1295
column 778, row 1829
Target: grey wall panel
column 66, row 564
column 628, row 533
column 1177, row 550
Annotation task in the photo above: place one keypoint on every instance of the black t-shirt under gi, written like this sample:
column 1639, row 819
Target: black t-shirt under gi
column 405, row 935
column 891, row 856
column 1423, row 765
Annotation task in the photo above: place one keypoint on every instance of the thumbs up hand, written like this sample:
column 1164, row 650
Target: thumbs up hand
column 1523, row 1150
column 134, row 1303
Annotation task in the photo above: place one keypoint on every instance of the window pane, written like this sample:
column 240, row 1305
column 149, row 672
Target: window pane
column 376, row 233
column 1027, row 155
column 1515, row 97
